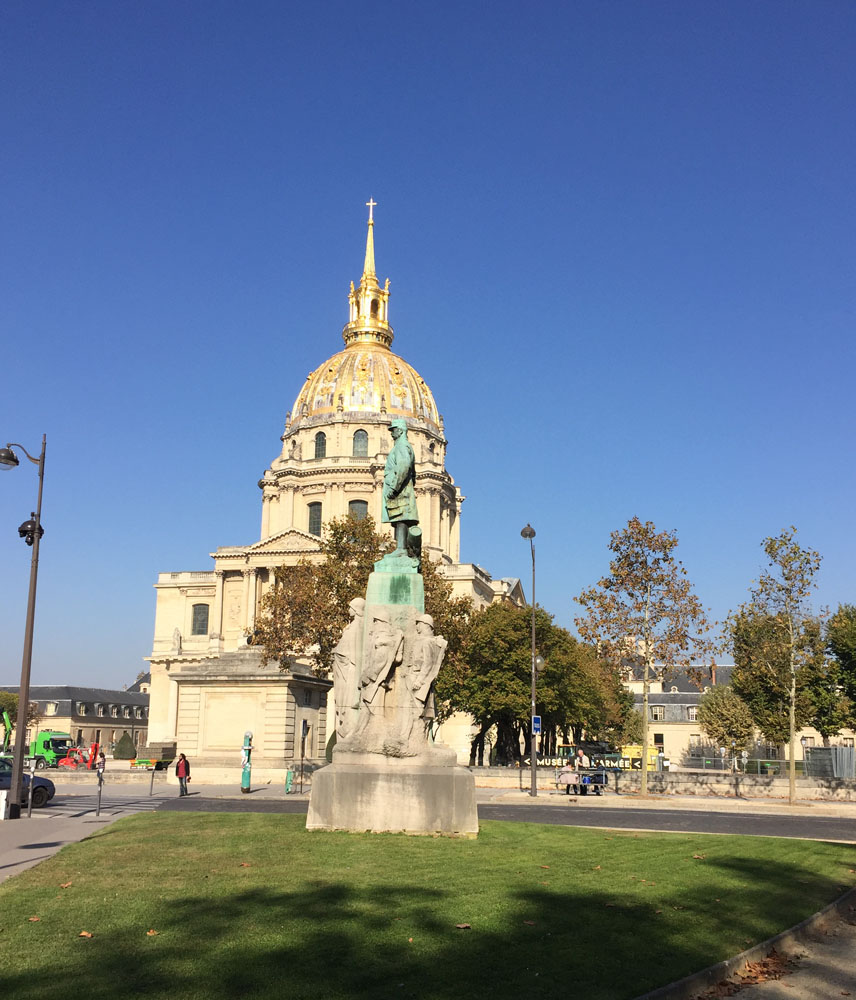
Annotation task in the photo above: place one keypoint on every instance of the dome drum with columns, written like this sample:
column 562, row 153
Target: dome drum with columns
column 208, row 687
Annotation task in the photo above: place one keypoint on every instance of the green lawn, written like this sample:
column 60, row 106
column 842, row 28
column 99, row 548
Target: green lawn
column 254, row 906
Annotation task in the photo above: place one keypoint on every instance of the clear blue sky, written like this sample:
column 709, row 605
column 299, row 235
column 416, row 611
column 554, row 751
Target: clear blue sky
column 620, row 238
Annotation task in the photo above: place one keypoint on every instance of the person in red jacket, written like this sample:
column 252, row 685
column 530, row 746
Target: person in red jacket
column 182, row 771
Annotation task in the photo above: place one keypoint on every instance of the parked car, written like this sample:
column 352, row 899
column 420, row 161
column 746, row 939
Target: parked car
column 43, row 790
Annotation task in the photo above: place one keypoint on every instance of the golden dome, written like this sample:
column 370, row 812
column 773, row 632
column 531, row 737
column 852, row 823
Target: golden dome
column 367, row 378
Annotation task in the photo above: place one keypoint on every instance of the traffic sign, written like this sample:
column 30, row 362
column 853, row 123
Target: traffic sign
column 536, row 724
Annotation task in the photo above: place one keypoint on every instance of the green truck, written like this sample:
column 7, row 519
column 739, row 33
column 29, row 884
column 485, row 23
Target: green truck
column 48, row 747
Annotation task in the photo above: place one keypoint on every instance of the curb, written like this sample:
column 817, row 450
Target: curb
column 691, row 986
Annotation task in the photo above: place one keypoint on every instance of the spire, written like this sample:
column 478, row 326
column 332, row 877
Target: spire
column 369, row 266
column 369, row 304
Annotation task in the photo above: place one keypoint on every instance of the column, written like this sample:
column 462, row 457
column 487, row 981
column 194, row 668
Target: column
column 251, row 607
column 245, row 597
column 215, row 626
column 172, row 717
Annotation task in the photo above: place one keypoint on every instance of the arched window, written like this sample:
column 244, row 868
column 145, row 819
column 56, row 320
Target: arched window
column 374, row 308
column 199, row 625
column 358, row 509
column 315, row 519
column 361, row 443
column 320, row 445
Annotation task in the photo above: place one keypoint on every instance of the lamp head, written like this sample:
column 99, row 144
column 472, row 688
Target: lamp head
column 528, row 532
column 8, row 459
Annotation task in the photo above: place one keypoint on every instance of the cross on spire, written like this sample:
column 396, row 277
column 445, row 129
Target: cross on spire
column 372, row 204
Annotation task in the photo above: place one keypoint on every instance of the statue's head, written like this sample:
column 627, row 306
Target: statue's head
column 397, row 428
column 426, row 622
column 357, row 606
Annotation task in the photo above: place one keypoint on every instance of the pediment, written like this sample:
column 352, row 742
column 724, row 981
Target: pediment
column 292, row 540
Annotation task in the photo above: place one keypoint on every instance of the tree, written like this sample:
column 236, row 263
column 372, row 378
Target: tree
column 9, row 703
column 125, row 749
column 645, row 611
column 725, row 717
column 307, row 610
column 762, row 675
column 841, row 646
column 774, row 635
column 492, row 681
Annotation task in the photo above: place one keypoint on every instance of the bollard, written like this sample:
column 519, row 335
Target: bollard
column 100, row 784
column 246, row 765
column 30, row 792
column 152, row 782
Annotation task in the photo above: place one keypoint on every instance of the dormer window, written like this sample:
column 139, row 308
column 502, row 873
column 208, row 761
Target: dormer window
column 81, row 708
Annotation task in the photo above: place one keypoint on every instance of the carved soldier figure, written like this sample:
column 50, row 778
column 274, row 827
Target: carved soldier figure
column 428, row 653
column 346, row 675
column 383, row 652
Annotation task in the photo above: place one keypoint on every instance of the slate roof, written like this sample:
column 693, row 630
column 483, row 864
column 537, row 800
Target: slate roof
column 106, row 696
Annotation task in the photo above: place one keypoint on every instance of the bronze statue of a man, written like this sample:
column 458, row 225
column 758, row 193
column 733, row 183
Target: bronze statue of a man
column 399, row 495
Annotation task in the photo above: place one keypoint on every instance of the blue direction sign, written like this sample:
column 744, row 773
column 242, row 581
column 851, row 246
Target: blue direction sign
column 536, row 724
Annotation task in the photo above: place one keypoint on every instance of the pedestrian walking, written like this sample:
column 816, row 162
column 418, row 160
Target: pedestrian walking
column 100, row 764
column 182, row 771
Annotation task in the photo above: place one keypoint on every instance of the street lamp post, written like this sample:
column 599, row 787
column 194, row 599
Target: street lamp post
column 529, row 532
column 31, row 531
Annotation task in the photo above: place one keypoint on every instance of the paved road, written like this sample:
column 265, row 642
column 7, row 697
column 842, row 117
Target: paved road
column 680, row 821
column 833, row 828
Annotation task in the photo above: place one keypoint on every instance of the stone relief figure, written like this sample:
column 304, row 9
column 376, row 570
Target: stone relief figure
column 399, row 496
column 176, row 641
column 427, row 658
column 383, row 652
column 346, row 673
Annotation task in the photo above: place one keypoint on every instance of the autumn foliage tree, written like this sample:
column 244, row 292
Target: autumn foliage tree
column 775, row 638
column 644, row 612
column 305, row 613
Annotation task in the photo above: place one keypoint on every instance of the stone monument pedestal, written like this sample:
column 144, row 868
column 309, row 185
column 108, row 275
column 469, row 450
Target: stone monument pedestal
column 363, row 792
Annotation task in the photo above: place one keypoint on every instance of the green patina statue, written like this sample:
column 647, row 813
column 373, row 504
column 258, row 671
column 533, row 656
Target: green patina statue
column 399, row 496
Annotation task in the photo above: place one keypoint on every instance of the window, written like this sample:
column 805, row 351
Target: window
column 199, row 625
column 361, row 444
column 692, row 713
column 358, row 509
column 138, row 713
column 307, row 697
column 847, row 741
column 695, row 740
column 374, row 308
column 320, row 445
column 658, row 713
column 99, row 711
column 126, row 712
column 658, row 740
column 673, row 689
column 808, row 741
column 81, row 708
column 114, row 711
column 315, row 519
column 51, row 708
